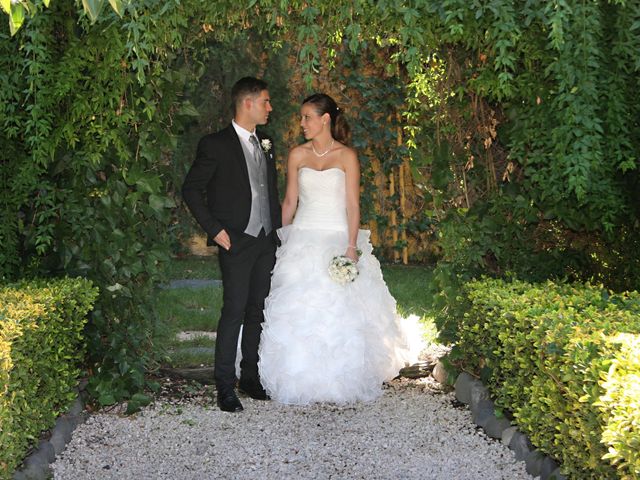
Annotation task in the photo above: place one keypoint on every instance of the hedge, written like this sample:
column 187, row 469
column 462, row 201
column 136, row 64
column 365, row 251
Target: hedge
column 41, row 347
column 564, row 360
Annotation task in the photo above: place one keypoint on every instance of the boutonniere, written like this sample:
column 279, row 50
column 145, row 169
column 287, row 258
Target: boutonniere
column 266, row 144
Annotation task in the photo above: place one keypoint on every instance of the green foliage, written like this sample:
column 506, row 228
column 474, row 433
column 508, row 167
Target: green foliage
column 18, row 11
column 547, row 352
column 570, row 131
column 507, row 236
column 545, row 63
column 89, row 185
column 555, row 194
column 621, row 407
column 41, row 349
column 375, row 128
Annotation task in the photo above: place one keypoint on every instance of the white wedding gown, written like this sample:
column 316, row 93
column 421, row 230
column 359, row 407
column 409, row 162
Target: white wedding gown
column 322, row 341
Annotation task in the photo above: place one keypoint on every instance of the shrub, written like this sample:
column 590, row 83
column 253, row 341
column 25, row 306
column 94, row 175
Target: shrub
column 554, row 357
column 620, row 406
column 41, row 347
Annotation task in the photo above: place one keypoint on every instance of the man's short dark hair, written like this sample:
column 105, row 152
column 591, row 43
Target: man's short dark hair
column 244, row 87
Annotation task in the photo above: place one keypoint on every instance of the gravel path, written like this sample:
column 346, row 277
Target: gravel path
column 413, row 431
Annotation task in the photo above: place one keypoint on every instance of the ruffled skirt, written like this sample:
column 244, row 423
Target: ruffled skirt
column 322, row 341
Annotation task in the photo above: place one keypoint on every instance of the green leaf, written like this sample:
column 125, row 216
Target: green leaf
column 132, row 407
column 154, row 386
column 149, row 184
column 6, row 6
column 16, row 18
column 141, row 398
column 106, row 399
column 123, row 366
column 117, row 6
column 156, row 202
column 187, row 109
column 92, row 8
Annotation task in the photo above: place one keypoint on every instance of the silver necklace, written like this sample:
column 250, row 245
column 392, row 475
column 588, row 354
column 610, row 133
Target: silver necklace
column 325, row 152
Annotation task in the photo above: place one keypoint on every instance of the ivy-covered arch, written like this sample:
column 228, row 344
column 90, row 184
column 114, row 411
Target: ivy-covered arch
column 517, row 124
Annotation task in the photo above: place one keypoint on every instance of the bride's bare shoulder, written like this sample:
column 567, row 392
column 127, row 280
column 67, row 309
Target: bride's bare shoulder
column 347, row 154
column 300, row 151
column 297, row 156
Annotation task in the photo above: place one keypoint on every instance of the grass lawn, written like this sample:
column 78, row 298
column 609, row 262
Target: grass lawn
column 408, row 285
column 193, row 267
column 186, row 309
column 198, row 309
column 182, row 309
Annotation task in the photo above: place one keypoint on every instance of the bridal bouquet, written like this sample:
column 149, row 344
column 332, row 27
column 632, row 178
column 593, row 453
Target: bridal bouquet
column 342, row 270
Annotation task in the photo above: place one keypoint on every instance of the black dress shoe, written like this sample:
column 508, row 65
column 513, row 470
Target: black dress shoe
column 228, row 401
column 253, row 390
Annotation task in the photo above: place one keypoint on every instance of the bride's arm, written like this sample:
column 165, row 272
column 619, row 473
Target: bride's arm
column 352, row 171
column 290, row 202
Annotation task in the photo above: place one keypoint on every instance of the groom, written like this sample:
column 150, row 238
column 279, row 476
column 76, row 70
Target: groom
column 231, row 190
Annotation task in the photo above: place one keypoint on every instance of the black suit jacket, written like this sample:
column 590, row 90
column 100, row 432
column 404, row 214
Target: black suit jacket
column 217, row 189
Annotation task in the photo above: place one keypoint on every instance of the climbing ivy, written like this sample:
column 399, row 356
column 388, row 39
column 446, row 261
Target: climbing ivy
column 86, row 188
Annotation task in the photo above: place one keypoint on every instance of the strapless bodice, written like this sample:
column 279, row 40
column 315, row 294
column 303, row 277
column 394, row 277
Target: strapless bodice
column 321, row 199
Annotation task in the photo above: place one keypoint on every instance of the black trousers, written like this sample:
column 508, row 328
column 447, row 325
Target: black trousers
column 246, row 279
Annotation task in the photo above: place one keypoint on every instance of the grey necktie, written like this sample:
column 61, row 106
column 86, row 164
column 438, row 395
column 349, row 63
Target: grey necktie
column 257, row 151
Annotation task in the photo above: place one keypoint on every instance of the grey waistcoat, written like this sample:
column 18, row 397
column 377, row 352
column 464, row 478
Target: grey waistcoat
column 260, row 216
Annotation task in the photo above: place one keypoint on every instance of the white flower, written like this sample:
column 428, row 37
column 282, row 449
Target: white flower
column 342, row 270
column 266, row 144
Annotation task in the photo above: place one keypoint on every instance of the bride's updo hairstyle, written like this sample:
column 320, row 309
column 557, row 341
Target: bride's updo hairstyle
column 323, row 103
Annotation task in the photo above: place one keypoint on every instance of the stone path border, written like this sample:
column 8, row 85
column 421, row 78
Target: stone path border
column 36, row 465
column 471, row 391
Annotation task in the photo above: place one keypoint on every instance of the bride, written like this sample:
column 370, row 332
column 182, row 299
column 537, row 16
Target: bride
column 323, row 341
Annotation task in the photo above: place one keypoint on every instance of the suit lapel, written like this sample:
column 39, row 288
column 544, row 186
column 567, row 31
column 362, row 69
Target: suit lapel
column 237, row 153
